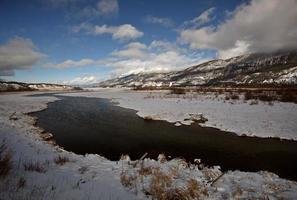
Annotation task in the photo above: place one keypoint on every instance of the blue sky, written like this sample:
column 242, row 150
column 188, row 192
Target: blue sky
column 76, row 41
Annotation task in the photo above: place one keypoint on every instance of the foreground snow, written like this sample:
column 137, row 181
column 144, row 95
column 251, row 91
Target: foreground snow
column 262, row 119
column 83, row 177
column 94, row 177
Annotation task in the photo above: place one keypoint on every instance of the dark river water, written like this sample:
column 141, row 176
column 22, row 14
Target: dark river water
column 93, row 125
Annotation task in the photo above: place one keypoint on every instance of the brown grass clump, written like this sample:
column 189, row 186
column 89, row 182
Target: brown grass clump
column 5, row 161
column 145, row 171
column 159, row 185
column 37, row 167
column 234, row 96
column 21, row 183
column 61, row 160
column 161, row 189
column 195, row 189
column 165, row 185
column 83, row 169
column 248, row 95
column 128, row 180
column 178, row 91
column 254, row 102
column 289, row 97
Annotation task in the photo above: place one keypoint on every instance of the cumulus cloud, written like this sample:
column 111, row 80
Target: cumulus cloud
column 83, row 80
column 161, row 62
column 135, row 57
column 132, row 50
column 71, row 63
column 123, row 32
column 18, row 54
column 166, row 22
column 259, row 26
column 203, row 18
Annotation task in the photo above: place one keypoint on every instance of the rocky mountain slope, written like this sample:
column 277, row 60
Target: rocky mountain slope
column 260, row 68
column 19, row 86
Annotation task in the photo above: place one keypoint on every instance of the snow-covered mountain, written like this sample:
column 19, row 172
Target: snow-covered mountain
column 260, row 68
column 19, row 86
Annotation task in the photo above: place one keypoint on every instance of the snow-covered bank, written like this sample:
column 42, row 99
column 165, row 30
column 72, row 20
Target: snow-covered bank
column 94, row 177
column 262, row 119
column 82, row 177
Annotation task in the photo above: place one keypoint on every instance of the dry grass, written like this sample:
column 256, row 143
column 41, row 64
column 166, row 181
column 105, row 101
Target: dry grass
column 161, row 185
column 234, row 96
column 161, row 188
column 145, row 171
column 266, row 93
column 195, row 190
column 37, row 167
column 254, row 102
column 61, row 160
column 128, row 180
column 5, row 161
column 178, row 91
column 21, row 183
column 83, row 169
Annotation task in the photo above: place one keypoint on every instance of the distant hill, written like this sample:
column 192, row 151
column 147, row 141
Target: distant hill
column 253, row 69
column 11, row 86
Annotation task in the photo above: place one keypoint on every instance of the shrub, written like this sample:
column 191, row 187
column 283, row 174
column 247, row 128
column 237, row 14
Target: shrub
column 128, row 180
column 83, row 169
column 266, row 97
column 61, row 160
column 248, row 95
column 254, row 102
column 288, row 97
column 178, row 91
column 21, row 183
column 160, row 182
column 34, row 167
column 5, row 161
column 234, row 96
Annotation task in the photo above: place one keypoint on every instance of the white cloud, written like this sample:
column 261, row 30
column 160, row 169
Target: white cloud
column 123, row 32
column 203, row 18
column 84, row 80
column 166, row 22
column 240, row 48
column 159, row 56
column 17, row 54
column 132, row 50
column 108, row 7
column 71, row 63
column 260, row 26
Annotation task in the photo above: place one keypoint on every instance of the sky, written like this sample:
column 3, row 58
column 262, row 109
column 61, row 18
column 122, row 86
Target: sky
column 87, row 41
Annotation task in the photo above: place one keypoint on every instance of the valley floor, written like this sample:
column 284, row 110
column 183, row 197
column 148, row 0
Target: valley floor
column 37, row 169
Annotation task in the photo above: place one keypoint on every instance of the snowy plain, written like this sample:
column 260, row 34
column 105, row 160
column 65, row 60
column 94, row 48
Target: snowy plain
column 94, row 177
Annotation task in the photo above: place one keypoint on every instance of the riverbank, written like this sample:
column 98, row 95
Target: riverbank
column 39, row 170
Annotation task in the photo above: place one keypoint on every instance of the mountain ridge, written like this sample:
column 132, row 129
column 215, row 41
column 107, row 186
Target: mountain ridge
column 258, row 68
